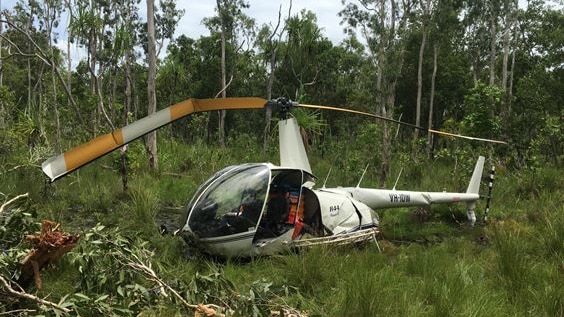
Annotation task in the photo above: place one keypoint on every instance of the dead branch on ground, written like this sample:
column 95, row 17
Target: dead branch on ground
column 7, row 285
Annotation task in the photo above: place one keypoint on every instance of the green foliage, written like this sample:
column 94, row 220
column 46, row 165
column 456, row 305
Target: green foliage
column 550, row 139
column 108, row 284
column 309, row 121
column 7, row 106
column 534, row 182
column 15, row 222
column 481, row 104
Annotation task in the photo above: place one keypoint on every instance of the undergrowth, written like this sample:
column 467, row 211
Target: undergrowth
column 431, row 264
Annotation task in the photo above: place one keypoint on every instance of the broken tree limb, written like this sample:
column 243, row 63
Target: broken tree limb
column 7, row 285
column 11, row 201
column 145, row 269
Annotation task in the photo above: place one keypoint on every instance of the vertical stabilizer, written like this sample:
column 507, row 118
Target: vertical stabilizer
column 474, row 186
column 292, row 150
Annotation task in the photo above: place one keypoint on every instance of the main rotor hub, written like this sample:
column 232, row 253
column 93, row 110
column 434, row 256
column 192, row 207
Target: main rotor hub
column 284, row 105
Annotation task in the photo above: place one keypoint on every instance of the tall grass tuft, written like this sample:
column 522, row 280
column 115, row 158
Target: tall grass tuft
column 312, row 272
column 377, row 291
column 551, row 233
column 512, row 264
column 143, row 206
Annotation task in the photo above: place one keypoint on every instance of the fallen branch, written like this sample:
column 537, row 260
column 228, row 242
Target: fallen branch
column 200, row 309
column 11, row 201
column 17, row 311
column 23, row 294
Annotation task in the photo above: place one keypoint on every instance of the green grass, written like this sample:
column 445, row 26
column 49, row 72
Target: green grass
column 438, row 266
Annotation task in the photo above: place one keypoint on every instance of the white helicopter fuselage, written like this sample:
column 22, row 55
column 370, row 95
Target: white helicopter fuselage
column 261, row 209
column 258, row 209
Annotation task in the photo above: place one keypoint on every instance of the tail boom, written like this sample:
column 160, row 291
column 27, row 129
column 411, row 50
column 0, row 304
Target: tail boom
column 384, row 198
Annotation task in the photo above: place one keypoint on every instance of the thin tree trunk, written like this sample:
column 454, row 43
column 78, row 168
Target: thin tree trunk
column 504, row 78
column 69, row 67
column 49, row 22
column 431, row 101
column 92, row 59
column 56, row 107
column 268, row 116
column 505, row 58
column 493, row 34
column 419, row 87
column 128, row 90
column 222, row 113
column 127, row 106
column 134, row 95
column 151, row 83
column 426, row 4
column 385, row 157
column 28, row 111
column 510, row 92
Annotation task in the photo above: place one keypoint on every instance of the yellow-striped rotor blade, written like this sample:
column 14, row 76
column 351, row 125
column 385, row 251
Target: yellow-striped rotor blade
column 466, row 137
column 400, row 122
column 362, row 113
column 60, row 165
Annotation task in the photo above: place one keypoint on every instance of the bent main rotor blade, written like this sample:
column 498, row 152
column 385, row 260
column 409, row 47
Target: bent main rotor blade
column 60, row 165
column 400, row 122
column 362, row 113
column 466, row 137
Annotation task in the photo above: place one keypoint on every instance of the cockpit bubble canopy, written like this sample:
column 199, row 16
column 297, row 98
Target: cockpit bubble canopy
column 230, row 202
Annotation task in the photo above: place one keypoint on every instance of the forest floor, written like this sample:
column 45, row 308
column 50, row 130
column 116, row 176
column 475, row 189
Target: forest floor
column 430, row 265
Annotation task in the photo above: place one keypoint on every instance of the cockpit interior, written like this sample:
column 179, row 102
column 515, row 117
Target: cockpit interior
column 255, row 198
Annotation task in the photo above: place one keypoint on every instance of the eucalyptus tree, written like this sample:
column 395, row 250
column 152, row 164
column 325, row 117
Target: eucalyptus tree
column 87, row 28
column 426, row 7
column 151, row 77
column 20, row 23
column 509, row 19
column 269, row 40
column 129, row 38
column 445, row 34
column 382, row 24
column 235, row 28
column 51, row 14
column 160, row 26
column 536, row 113
column 30, row 35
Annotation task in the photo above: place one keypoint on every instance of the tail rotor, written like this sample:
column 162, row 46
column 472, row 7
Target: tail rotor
column 489, row 196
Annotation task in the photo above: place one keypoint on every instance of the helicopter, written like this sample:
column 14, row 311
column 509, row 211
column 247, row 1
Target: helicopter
column 256, row 209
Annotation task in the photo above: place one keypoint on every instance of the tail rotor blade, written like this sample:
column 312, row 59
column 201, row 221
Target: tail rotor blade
column 60, row 165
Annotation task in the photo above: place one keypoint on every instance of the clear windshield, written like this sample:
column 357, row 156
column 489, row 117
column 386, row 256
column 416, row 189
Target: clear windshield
column 232, row 203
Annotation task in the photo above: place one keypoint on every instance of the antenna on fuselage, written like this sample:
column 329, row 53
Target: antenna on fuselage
column 361, row 177
column 397, row 179
column 327, row 177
